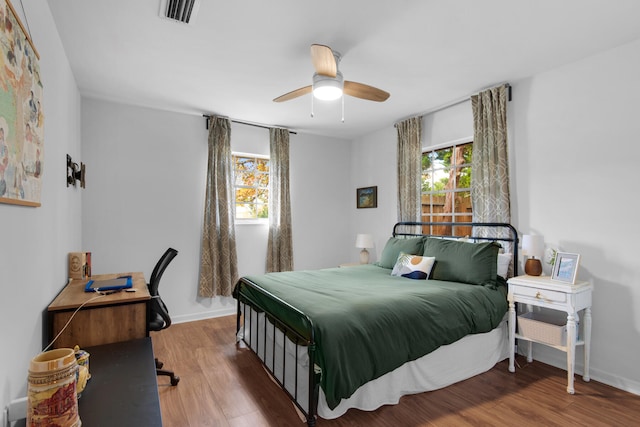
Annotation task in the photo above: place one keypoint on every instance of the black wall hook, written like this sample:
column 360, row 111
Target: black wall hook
column 75, row 173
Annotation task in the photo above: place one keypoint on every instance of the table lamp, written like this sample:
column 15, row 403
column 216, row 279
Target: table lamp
column 532, row 247
column 364, row 241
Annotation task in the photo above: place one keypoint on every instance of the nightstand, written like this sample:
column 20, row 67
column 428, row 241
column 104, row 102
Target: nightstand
column 349, row 264
column 541, row 291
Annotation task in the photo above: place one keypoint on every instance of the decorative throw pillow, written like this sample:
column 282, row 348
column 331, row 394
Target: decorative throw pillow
column 395, row 245
column 413, row 266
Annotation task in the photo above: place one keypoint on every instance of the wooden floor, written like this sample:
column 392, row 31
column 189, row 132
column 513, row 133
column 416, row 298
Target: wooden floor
column 222, row 385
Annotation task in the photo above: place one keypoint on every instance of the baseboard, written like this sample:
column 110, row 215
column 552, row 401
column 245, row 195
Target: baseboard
column 560, row 361
column 615, row 381
column 228, row 311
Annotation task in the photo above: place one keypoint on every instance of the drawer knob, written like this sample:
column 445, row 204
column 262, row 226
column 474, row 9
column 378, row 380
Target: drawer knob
column 538, row 295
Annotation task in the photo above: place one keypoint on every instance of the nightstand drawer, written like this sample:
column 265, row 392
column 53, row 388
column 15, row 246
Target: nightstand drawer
column 540, row 294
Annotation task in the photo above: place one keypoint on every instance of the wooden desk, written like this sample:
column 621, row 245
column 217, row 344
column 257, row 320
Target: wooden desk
column 121, row 316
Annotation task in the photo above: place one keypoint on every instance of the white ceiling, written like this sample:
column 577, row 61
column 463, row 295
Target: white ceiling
column 238, row 55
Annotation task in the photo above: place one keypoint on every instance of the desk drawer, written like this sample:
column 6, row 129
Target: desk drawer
column 98, row 325
column 540, row 294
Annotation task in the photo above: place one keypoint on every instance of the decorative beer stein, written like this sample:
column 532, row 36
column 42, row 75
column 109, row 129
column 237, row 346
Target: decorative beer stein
column 51, row 396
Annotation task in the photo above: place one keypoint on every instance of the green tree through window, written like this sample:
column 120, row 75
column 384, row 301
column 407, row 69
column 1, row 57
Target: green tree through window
column 251, row 184
column 446, row 186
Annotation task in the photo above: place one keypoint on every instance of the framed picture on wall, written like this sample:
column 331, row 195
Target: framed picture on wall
column 565, row 267
column 21, row 114
column 367, row 197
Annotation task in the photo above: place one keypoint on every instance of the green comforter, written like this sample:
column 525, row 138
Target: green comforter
column 367, row 322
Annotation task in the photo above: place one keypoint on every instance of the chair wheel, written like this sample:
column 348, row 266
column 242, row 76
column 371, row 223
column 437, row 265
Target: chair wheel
column 175, row 380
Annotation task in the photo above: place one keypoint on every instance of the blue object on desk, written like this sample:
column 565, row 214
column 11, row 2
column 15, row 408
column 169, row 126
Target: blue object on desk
column 122, row 282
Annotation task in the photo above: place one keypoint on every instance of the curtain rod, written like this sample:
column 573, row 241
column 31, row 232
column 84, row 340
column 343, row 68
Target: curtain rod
column 209, row 116
column 451, row 104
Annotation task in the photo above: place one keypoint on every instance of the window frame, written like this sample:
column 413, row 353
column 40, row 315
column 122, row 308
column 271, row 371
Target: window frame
column 454, row 216
column 248, row 221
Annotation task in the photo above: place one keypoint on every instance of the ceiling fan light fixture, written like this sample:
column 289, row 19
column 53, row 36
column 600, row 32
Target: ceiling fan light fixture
column 327, row 88
column 328, row 83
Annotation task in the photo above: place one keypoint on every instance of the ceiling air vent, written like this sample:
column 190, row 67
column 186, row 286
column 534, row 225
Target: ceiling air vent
column 179, row 10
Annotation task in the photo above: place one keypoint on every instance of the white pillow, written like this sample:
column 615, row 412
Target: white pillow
column 413, row 266
column 503, row 264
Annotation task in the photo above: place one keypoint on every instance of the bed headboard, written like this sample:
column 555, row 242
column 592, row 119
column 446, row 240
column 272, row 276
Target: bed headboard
column 500, row 232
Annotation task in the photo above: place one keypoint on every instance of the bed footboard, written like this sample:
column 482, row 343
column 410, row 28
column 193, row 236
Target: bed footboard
column 266, row 335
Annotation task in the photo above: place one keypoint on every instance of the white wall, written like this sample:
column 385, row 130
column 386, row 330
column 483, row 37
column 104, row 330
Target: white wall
column 373, row 163
column 34, row 242
column 145, row 192
column 575, row 140
column 319, row 201
column 573, row 135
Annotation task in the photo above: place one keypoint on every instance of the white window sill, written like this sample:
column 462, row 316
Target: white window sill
column 261, row 221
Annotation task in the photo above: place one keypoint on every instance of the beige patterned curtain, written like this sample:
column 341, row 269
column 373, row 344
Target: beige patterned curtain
column 490, row 160
column 280, row 246
column 218, row 261
column 409, row 169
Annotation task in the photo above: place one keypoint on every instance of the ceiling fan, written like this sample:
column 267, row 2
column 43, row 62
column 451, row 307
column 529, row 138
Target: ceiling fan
column 328, row 83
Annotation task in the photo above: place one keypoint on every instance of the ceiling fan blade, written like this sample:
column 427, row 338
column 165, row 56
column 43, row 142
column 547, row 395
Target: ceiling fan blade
column 293, row 94
column 363, row 91
column 323, row 60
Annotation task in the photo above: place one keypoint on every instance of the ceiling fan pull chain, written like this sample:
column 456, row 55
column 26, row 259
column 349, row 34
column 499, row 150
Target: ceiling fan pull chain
column 342, row 108
column 312, row 105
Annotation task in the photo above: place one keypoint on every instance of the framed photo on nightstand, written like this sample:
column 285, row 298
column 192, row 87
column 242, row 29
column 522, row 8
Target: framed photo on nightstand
column 565, row 267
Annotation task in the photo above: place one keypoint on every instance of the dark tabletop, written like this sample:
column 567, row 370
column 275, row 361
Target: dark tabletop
column 123, row 389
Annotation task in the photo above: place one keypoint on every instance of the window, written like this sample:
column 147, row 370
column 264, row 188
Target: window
column 251, row 185
column 446, row 187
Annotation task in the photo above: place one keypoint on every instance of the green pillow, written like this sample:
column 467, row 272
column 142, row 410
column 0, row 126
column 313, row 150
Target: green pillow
column 456, row 261
column 395, row 245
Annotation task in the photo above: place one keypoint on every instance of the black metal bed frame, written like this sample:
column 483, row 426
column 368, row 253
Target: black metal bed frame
column 252, row 309
column 287, row 332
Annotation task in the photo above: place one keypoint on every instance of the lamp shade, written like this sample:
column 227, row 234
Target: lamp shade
column 533, row 245
column 364, row 241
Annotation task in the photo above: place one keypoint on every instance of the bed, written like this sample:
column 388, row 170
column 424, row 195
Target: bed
column 364, row 336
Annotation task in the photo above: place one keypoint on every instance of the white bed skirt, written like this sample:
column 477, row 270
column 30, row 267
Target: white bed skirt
column 449, row 364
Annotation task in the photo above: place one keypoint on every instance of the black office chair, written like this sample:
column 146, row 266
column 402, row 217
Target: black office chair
column 159, row 314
